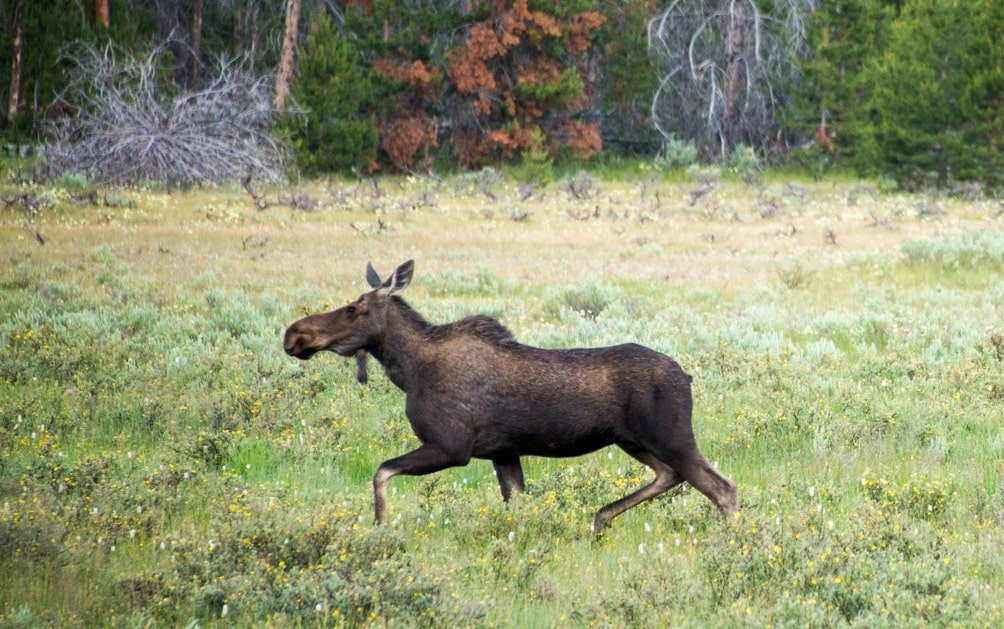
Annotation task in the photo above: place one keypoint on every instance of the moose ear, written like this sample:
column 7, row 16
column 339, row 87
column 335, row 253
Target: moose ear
column 372, row 277
column 399, row 279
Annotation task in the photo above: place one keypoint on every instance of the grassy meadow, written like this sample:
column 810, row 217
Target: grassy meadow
column 165, row 464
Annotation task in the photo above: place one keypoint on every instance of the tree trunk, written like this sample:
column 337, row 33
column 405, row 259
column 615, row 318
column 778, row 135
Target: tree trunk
column 734, row 42
column 101, row 14
column 240, row 26
column 193, row 73
column 14, row 95
column 288, row 53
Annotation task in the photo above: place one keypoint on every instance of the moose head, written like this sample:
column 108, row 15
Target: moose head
column 350, row 329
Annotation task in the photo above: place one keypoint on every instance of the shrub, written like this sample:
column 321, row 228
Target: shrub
column 676, row 153
column 536, row 164
column 324, row 567
column 744, row 162
column 919, row 496
column 649, row 588
column 73, row 181
column 971, row 249
column 450, row 284
column 587, row 299
column 133, row 125
column 795, row 276
column 873, row 568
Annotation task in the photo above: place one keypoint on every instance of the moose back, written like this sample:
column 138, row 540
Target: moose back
column 472, row 391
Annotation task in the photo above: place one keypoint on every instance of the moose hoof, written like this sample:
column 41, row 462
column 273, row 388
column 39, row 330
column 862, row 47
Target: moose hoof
column 600, row 525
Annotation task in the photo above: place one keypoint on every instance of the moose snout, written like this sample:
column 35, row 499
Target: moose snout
column 293, row 344
column 296, row 351
column 290, row 342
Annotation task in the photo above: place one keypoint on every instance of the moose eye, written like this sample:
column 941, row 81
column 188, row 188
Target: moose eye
column 350, row 310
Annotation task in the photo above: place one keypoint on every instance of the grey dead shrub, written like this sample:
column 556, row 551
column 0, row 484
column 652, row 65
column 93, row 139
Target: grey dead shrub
column 129, row 123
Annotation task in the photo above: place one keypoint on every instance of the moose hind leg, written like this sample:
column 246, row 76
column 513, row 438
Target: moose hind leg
column 423, row 460
column 706, row 479
column 665, row 479
column 510, row 476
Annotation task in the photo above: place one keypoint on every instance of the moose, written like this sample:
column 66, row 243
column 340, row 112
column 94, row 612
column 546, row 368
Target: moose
column 473, row 391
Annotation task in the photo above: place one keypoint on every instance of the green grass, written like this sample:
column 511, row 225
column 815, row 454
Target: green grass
column 163, row 462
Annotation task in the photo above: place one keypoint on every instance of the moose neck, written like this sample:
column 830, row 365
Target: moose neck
column 399, row 348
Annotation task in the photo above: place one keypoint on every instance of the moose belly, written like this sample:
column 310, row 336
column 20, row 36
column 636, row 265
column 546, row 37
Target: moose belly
column 552, row 447
column 523, row 427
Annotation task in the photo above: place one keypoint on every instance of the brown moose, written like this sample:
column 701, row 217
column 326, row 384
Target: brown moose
column 472, row 391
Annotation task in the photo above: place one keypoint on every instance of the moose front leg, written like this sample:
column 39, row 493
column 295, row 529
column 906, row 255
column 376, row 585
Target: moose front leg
column 510, row 475
column 423, row 460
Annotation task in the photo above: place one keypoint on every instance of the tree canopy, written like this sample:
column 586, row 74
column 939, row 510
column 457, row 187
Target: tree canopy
column 909, row 89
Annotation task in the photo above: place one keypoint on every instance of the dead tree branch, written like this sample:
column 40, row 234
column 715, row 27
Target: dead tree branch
column 129, row 124
column 727, row 69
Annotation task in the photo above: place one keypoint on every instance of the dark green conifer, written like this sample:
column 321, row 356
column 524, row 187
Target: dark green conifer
column 331, row 132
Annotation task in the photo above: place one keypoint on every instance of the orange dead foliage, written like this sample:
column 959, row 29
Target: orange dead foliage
column 505, row 51
column 823, row 139
column 582, row 137
column 402, row 138
column 416, row 73
column 580, row 29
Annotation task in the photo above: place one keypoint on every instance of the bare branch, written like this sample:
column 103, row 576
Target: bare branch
column 731, row 61
column 129, row 125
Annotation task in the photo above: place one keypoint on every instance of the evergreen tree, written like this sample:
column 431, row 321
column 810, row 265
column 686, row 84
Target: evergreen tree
column 845, row 37
column 404, row 45
column 626, row 80
column 45, row 30
column 488, row 74
column 51, row 28
column 985, row 89
column 335, row 132
column 933, row 113
column 536, row 164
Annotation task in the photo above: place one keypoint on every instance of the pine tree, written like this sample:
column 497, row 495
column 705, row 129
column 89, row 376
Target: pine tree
column 845, row 37
column 985, row 90
column 403, row 45
column 933, row 115
column 335, row 131
column 536, row 164
column 625, row 78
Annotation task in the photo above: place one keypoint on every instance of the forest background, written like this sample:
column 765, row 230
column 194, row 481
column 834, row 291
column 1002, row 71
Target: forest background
column 906, row 90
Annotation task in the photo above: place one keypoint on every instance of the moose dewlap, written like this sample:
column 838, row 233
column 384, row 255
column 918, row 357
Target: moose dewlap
column 472, row 391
